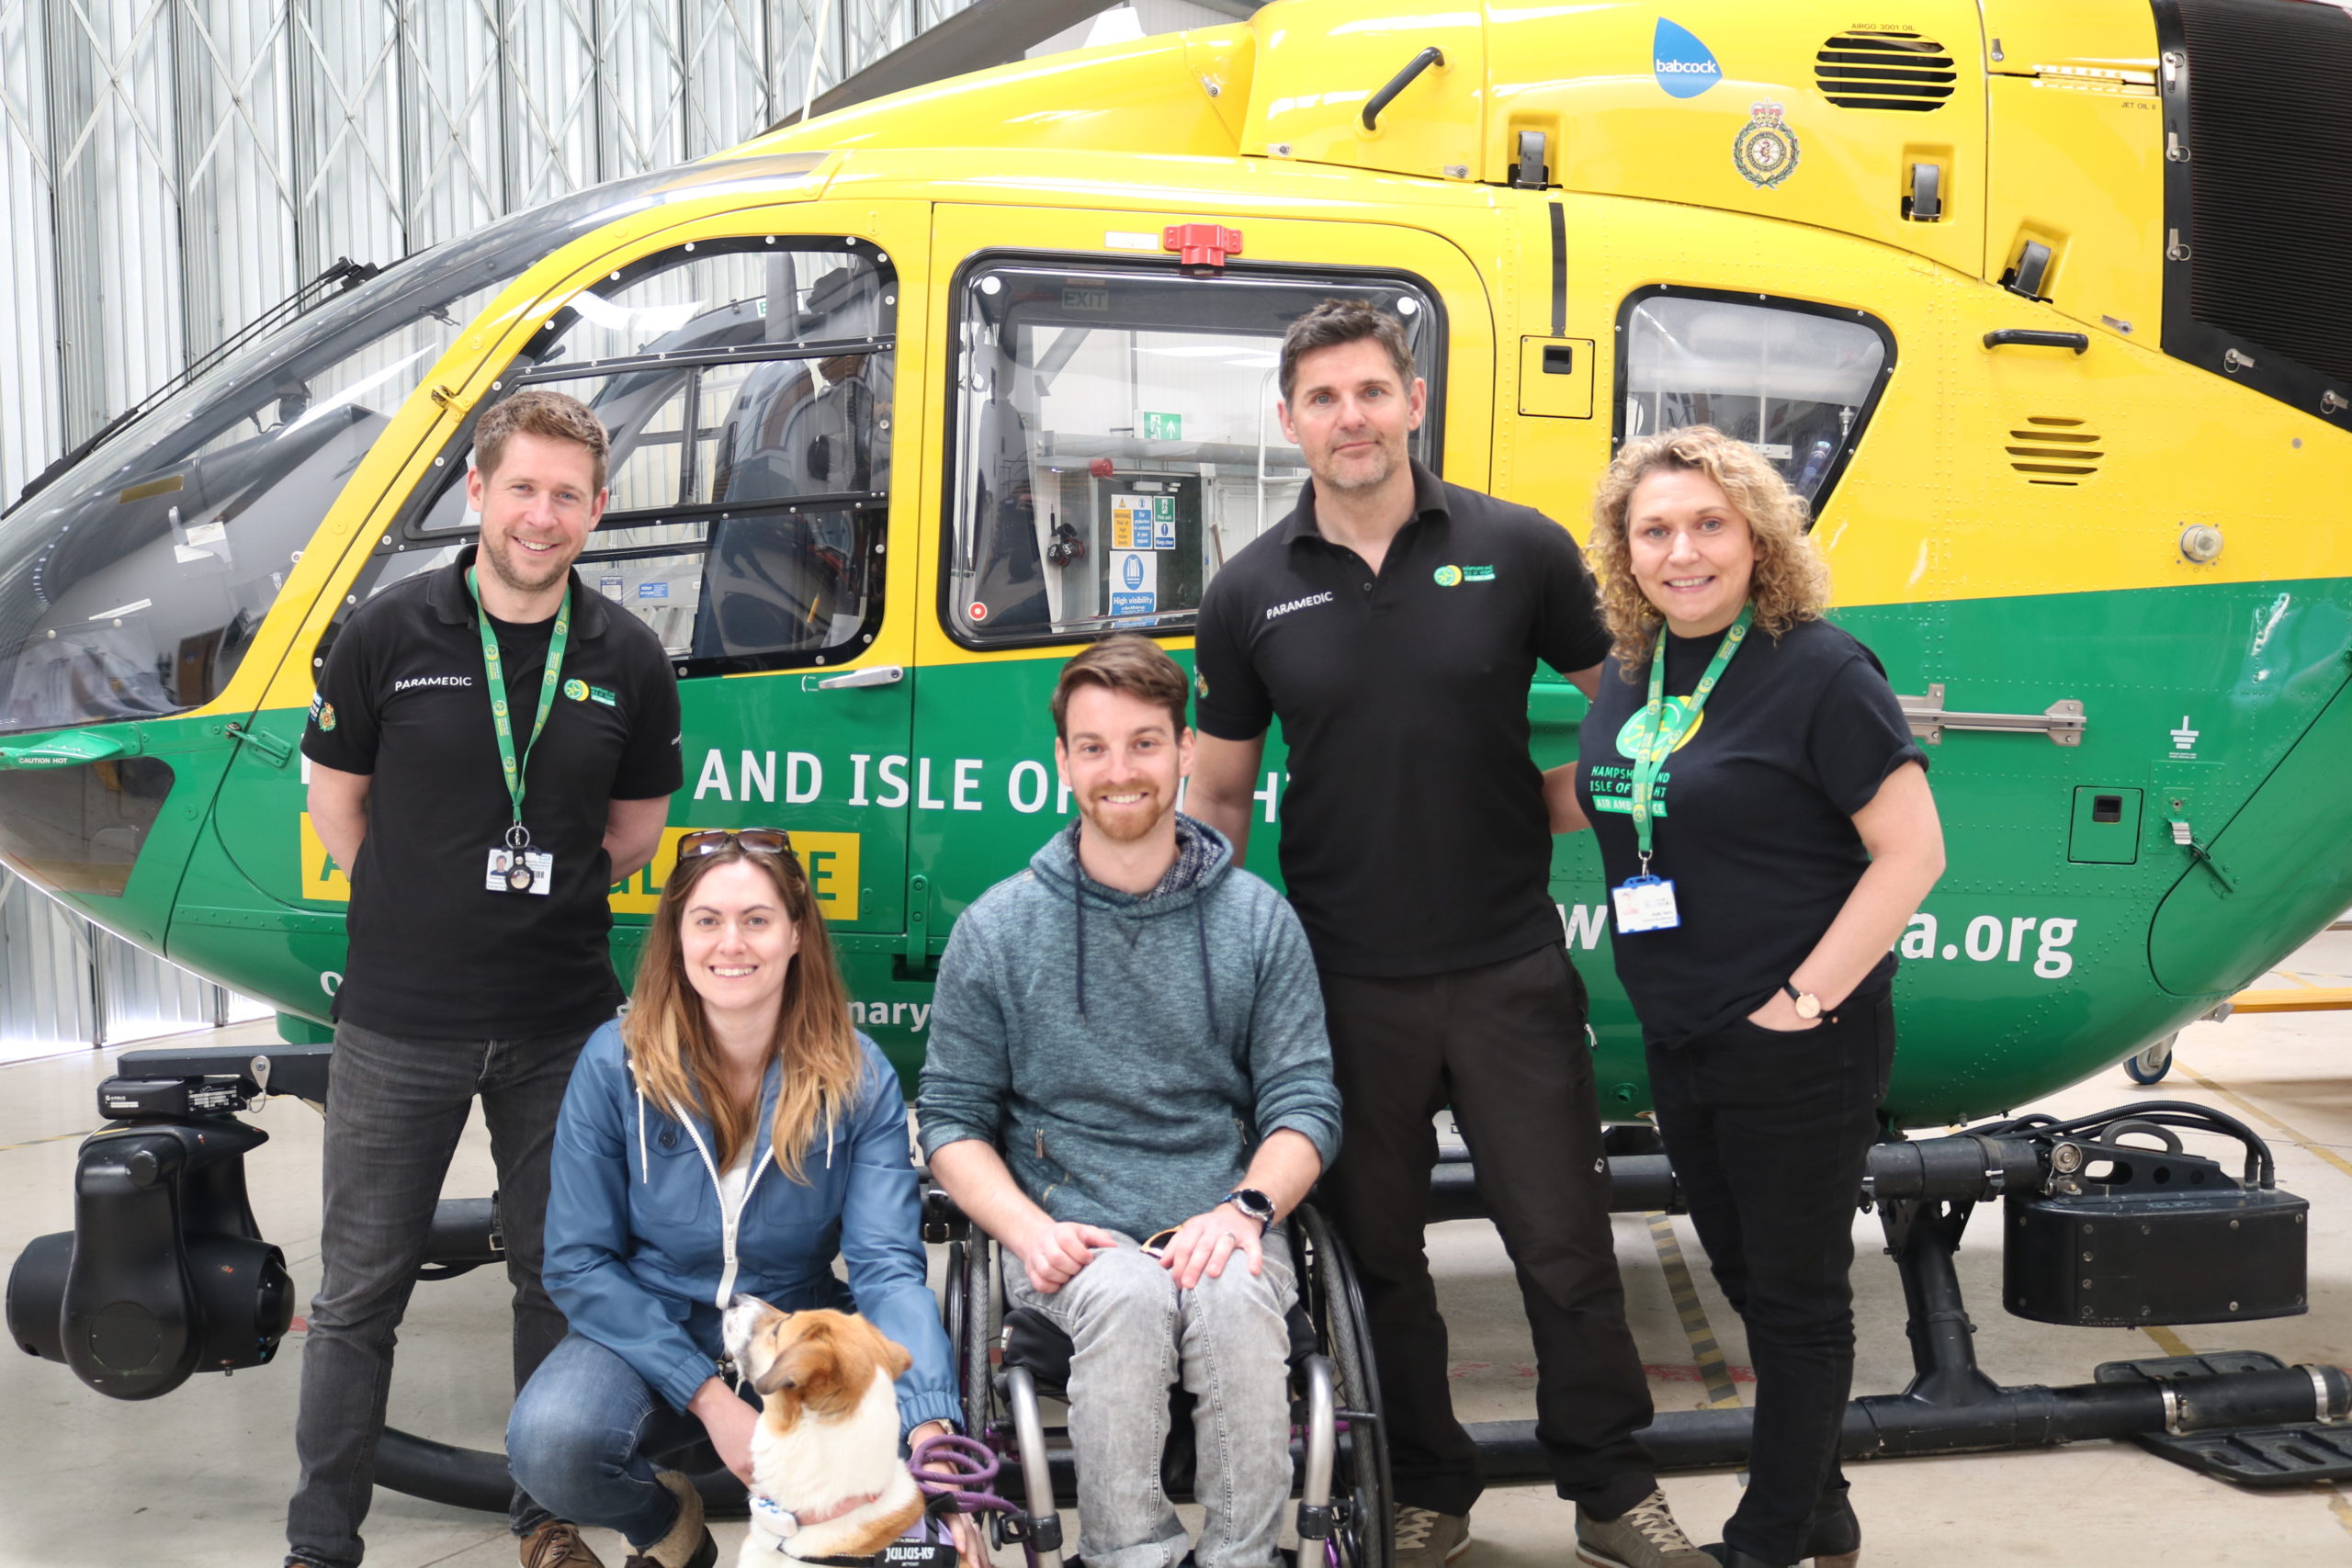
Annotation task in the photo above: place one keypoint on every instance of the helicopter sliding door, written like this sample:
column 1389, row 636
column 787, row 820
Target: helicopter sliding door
column 746, row 377
column 1112, row 442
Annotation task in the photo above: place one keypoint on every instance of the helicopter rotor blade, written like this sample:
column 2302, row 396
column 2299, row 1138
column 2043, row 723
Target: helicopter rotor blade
column 989, row 32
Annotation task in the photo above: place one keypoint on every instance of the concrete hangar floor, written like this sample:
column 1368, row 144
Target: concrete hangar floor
column 200, row 1478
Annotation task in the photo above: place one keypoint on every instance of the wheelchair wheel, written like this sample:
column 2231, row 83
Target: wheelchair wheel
column 1335, row 1304
column 953, row 1308
column 972, row 1274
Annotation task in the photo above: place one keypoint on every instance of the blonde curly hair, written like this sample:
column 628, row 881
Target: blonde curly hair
column 1792, row 581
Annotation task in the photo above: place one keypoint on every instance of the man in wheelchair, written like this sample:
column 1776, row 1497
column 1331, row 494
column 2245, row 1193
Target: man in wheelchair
column 1128, row 1085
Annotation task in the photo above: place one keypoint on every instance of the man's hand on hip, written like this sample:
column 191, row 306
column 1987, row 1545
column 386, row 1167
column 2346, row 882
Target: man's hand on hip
column 1206, row 1243
column 1056, row 1251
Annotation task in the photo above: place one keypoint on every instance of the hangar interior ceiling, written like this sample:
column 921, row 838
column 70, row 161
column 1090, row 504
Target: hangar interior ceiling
column 170, row 169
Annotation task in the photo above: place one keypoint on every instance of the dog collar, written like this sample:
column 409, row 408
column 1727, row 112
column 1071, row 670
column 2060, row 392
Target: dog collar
column 785, row 1522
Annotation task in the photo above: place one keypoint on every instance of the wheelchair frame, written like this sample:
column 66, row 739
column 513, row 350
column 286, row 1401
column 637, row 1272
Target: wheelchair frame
column 1339, row 1442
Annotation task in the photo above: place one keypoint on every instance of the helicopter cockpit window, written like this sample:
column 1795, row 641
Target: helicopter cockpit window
column 746, row 387
column 132, row 584
column 1796, row 381
column 1117, row 441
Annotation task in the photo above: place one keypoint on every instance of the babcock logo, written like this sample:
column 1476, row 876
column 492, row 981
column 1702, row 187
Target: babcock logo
column 1685, row 67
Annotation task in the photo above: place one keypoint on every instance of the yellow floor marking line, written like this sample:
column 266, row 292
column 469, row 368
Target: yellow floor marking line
column 2340, row 1505
column 52, row 1138
column 1722, row 1393
column 2171, row 1344
column 2300, row 1142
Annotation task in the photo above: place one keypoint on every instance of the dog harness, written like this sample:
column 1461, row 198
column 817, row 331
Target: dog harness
column 927, row 1545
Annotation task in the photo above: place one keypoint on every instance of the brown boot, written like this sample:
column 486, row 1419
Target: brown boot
column 688, row 1544
column 556, row 1544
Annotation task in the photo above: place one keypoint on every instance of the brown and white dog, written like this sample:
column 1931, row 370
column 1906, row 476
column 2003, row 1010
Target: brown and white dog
column 827, row 1480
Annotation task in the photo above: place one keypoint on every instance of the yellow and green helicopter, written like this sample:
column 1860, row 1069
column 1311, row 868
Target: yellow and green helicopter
column 2040, row 306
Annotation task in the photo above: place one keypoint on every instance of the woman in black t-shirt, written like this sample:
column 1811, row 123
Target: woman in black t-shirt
column 1790, row 836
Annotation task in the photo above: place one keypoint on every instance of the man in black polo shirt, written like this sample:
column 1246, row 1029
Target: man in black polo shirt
column 491, row 748
column 1393, row 623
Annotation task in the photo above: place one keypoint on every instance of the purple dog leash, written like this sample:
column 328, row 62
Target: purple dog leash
column 958, row 1469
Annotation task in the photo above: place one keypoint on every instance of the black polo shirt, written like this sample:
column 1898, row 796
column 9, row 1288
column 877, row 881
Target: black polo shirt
column 1756, row 817
column 1415, row 838
column 402, row 698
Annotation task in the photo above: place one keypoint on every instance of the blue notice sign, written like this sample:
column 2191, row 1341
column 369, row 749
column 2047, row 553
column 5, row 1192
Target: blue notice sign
column 654, row 591
column 1685, row 67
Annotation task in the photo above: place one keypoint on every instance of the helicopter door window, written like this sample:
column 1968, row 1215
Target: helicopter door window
column 1116, row 440
column 1796, row 380
column 746, row 388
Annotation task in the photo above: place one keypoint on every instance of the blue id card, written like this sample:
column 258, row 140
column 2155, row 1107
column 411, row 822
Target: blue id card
column 1645, row 904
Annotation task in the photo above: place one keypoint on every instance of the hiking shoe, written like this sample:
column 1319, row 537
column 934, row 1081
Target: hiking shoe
column 1643, row 1535
column 556, row 1544
column 1427, row 1538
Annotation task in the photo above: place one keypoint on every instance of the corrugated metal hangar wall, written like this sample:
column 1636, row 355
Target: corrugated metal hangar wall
column 170, row 169
column 174, row 167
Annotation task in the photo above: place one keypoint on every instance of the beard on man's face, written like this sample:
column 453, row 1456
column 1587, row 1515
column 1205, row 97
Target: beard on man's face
column 1124, row 825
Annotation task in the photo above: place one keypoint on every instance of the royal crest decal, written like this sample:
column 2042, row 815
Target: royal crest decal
column 1765, row 150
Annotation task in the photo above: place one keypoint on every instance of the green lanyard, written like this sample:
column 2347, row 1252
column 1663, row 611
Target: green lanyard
column 1665, row 735
column 518, row 836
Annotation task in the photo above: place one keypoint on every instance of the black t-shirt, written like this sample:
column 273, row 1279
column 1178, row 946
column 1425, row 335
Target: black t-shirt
column 433, row 953
column 1415, row 838
column 1756, row 833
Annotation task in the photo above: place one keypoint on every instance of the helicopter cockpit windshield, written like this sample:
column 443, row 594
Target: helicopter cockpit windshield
column 132, row 586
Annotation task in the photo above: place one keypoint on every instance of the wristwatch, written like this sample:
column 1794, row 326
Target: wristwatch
column 1808, row 1005
column 1254, row 1203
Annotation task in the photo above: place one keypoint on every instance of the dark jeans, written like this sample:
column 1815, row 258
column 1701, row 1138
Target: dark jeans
column 394, row 1111
column 1505, row 1046
column 588, row 1434
column 1769, row 1134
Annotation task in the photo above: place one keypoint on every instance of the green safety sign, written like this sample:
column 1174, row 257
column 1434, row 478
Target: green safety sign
column 1163, row 427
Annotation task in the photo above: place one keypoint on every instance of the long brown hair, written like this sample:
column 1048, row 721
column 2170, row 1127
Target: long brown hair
column 1791, row 582
column 669, row 1044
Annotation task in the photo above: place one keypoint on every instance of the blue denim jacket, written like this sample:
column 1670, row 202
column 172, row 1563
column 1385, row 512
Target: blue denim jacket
column 639, row 1259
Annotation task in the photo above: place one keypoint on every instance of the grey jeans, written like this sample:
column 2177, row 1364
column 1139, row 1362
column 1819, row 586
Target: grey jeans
column 395, row 1109
column 1133, row 1331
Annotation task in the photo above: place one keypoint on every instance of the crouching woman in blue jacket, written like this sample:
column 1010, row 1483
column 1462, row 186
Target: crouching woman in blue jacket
column 732, row 1133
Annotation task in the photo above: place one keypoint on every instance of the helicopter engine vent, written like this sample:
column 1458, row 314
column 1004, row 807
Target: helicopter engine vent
column 1869, row 68
column 2054, row 451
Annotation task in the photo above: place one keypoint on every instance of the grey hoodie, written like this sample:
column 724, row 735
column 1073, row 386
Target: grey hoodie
column 1127, row 1055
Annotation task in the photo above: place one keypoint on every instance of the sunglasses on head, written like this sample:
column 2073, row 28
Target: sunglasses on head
column 710, row 841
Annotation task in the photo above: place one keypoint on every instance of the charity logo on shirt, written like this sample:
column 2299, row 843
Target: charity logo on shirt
column 1613, row 788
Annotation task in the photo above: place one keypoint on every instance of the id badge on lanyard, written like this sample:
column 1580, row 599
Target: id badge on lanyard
column 512, row 866
column 1645, row 902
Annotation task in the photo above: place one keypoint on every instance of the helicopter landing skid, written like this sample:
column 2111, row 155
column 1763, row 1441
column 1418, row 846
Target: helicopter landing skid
column 2242, row 1416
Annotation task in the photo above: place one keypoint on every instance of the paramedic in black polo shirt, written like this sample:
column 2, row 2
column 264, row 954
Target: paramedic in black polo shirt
column 491, row 748
column 1392, row 623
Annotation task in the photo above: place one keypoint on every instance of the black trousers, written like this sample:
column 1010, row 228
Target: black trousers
column 1505, row 1046
column 1769, row 1134
column 395, row 1109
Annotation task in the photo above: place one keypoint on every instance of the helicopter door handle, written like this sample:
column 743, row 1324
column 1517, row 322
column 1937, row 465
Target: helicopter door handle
column 851, row 680
column 1398, row 82
column 2029, row 337
column 2063, row 721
